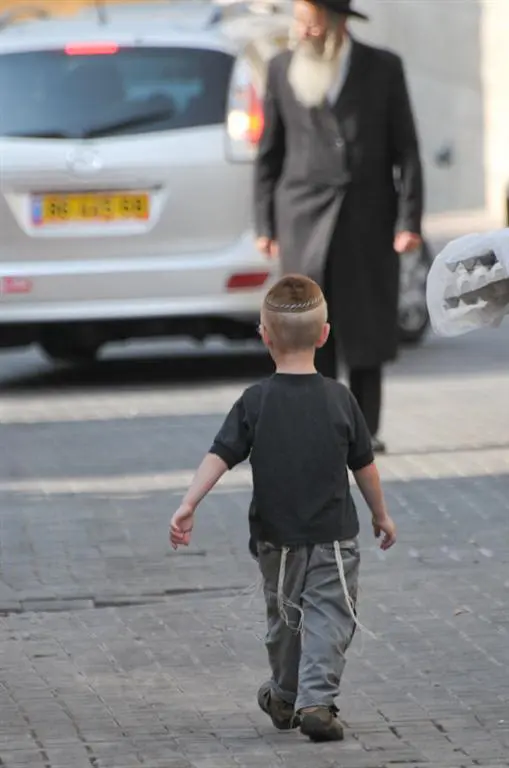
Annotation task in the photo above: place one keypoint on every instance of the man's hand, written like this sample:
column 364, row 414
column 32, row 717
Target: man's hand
column 387, row 527
column 267, row 247
column 406, row 242
column 181, row 526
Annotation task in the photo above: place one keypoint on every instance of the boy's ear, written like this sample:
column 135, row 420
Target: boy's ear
column 323, row 336
column 265, row 336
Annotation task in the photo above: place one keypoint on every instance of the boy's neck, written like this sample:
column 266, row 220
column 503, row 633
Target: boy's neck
column 296, row 362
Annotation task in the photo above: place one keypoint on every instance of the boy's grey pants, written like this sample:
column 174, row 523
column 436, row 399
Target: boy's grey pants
column 307, row 665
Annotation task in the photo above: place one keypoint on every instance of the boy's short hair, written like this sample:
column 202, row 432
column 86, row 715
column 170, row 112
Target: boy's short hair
column 294, row 312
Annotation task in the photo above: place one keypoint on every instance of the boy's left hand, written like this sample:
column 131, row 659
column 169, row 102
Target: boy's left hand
column 181, row 526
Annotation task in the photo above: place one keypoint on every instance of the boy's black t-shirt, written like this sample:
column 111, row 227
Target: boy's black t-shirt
column 300, row 432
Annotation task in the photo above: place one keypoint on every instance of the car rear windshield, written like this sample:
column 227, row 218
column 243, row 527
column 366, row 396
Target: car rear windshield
column 80, row 93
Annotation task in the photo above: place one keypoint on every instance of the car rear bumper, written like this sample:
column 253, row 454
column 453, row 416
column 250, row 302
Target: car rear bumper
column 184, row 285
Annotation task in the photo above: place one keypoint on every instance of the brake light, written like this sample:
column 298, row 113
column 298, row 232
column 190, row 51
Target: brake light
column 246, row 122
column 91, row 49
column 246, row 280
column 256, row 117
column 245, row 118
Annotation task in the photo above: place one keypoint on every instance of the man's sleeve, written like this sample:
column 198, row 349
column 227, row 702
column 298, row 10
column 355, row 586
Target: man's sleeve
column 360, row 452
column 269, row 161
column 233, row 441
column 404, row 148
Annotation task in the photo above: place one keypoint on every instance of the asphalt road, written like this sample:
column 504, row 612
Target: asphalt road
column 116, row 652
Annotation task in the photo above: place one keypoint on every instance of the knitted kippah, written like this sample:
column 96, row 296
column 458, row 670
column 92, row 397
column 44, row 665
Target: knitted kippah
column 293, row 294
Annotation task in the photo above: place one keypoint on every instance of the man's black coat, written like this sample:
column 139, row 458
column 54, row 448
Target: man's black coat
column 334, row 184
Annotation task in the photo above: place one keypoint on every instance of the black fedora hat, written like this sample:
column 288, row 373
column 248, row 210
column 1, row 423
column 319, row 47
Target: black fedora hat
column 342, row 7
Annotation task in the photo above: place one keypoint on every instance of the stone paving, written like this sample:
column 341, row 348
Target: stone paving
column 116, row 652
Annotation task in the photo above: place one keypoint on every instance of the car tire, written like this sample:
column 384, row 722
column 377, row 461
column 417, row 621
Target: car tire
column 413, row 311
column 73, row 352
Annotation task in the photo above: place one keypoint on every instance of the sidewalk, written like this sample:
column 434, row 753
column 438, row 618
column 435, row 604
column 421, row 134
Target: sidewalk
column 451, row 225
column 104, row 663
column 173, row 684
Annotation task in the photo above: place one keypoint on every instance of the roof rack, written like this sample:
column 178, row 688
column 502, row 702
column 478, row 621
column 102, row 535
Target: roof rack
column 228, row 9
column 13, row 15
column 105, row 12
column 100, row 9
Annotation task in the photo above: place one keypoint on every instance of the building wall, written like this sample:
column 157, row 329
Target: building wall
column 495, row 72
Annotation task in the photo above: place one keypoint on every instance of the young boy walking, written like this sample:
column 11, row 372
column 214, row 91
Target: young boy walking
column 301, row 433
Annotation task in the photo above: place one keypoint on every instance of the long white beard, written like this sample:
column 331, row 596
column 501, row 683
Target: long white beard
column 311, row 73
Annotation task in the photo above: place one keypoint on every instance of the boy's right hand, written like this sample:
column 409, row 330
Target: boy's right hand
column 388, row 528
column 181, row 526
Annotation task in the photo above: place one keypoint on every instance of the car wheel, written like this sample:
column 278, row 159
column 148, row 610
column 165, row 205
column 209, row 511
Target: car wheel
column 75, row 352
column 413, row 310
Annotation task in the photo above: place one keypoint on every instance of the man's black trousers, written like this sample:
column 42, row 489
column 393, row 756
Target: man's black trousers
column 365, row 383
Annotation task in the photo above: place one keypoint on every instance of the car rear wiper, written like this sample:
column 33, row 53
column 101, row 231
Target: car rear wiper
column 129, row 122
column 103, row 130
column 35, row 134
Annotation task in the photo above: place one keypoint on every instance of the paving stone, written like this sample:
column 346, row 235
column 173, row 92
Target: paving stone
column 23, row 760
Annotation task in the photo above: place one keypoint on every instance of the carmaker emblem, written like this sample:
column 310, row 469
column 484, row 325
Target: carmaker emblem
column 84, row 162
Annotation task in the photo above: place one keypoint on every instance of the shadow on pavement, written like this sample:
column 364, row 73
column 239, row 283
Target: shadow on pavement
column 162, row 369
column 167, row 365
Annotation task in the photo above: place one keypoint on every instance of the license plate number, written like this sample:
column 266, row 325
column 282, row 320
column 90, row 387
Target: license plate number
column 68, row 209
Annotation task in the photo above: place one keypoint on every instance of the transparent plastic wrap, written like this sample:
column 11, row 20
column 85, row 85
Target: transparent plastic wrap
column 468, row 284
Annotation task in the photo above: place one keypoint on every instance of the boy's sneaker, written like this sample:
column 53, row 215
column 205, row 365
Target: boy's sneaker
column 280, row 712
column 321, row 724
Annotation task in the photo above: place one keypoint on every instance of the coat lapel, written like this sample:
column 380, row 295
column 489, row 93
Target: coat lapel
column 346, row 107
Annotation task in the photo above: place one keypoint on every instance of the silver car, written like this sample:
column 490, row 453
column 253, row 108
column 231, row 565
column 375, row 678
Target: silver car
column 126, row 148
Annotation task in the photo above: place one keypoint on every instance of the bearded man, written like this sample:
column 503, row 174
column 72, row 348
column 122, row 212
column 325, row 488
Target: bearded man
column 338, row 187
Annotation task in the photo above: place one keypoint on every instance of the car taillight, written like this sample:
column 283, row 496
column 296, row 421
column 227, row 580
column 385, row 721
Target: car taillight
column 245, row 115
column 247, row 280
column 246, row 124
column 91, row 49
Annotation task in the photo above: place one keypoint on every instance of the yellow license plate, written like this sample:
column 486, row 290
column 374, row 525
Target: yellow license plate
column 92, row 207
